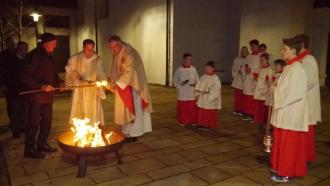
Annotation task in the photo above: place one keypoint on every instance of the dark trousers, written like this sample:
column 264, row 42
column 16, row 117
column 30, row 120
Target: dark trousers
column 18, row 113
column 40, row 117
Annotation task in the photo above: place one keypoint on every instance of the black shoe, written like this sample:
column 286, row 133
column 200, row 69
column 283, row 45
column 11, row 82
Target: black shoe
column 34, row 154
column 16, row 135
column 130, row 139
column 47, row 148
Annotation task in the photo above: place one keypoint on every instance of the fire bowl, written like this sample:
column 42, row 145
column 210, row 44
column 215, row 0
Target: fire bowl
column 66, row 143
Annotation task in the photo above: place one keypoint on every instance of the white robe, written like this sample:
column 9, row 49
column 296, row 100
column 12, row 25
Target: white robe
column 261, row 87
column 127, row 70
column 142, row 122
column 208, row 92
column 253, row 62
column 236, row 72
column 290, row 110
column 269, row 100
column 313, row 85
column 185, row 92
column 86, row 102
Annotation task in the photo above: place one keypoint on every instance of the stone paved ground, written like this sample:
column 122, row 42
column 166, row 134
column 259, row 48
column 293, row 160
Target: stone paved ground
column 170, row 155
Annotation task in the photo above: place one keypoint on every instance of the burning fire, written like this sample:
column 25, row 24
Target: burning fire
column 89, row 135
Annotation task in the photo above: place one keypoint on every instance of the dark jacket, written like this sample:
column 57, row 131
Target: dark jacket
column 11, row 76
column 6, row 58
column 40, row 70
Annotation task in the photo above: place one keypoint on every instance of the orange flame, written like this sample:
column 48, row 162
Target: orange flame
column 88, row 135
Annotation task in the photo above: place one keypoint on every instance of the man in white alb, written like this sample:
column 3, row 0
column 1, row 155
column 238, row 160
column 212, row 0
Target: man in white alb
column 84, row 69
column 129, row 83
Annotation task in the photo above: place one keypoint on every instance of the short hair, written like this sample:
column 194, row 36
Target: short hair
column 88, row 42
column 254, row 41
column 303, row 38
column 293, row 44
column 210, row 64
column 279, row 62
column 266, row 56
column 114, row 38
column 185, row 55
column 263, row 45
column 20, row 43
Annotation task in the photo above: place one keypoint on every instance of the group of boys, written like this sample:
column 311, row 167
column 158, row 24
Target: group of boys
column 291, row 90
column 198, row 98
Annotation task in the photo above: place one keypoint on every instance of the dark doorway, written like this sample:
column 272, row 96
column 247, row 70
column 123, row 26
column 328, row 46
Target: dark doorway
column 62, row 52
column 328, row 63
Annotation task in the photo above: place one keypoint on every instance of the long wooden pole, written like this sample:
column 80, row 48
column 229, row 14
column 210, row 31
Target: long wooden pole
column 57, row 88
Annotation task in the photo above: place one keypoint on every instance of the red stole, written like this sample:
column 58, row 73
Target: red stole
column 126, row 95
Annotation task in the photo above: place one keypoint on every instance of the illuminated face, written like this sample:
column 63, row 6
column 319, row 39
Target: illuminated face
column 22, row 50
column 115, row 47
column 244, row 52
column 50, row 46
column 88, row 50
column 263, row 62
column 287, row 53
column 187, row 61
column 209, row 69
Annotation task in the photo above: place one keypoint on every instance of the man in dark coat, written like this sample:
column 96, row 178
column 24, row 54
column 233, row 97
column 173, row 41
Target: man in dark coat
column 16, row 105
column 40, row 73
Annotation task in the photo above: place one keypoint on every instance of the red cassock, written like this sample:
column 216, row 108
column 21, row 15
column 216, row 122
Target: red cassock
column 186, row 111
column 248, row 103
column 288, row 155
column 238, row 102
column 311, row 155
column 207, row 117
column 259, row 111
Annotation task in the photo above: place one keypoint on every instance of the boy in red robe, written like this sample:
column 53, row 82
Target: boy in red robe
column 290, row 117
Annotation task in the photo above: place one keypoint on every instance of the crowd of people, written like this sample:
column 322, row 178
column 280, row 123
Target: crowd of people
column 286, row 96
column 34, row 73
column 284, row 93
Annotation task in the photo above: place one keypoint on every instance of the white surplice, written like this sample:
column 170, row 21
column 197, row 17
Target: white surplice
column 261, row 87
column 313, row 85
column 290, row 110
column 236, row 72
column 185, row 92
column 208, row 92
column 253, row 61
column 86, row 102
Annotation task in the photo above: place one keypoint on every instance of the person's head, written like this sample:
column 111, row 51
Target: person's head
column 48, row 42
column 279, row 64
column 304, row 39
column 88, row 48
column 244, row 52
column 290, row 48
column 10, row 43
column 187, row 59
column 209, row 67
column 22, row 49
column 254, row 46
column 263, row 48
column 264, row 60
column 115, row 44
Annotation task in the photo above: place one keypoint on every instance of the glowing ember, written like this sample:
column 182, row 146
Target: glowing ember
column 101, row 83
column 88, row 135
